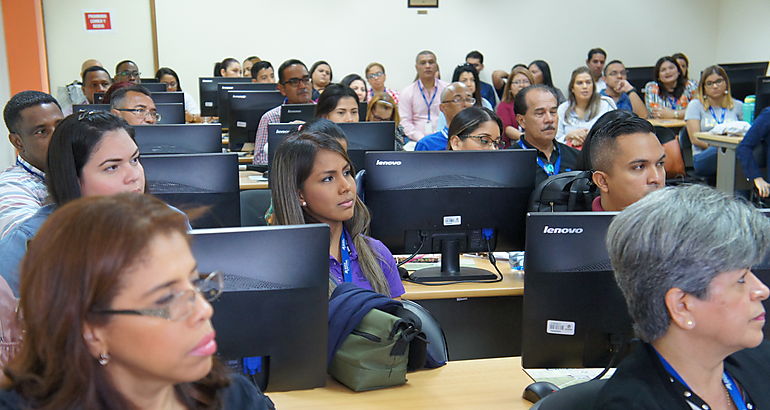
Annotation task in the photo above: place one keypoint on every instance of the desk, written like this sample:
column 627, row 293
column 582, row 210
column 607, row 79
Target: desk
column 245, row 159
column 480, row 320
column 468, row 384
column 246, row 183
column 667, row 123
column 725, row 158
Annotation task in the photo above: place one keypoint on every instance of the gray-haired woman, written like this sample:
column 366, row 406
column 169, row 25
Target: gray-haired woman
column 682, row 259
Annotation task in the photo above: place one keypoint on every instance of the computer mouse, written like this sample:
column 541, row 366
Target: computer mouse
column 538, row 390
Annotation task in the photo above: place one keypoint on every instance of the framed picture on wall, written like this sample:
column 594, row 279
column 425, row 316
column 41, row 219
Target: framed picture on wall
column 422, row 3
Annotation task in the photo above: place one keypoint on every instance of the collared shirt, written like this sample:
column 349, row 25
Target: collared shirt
column 653, row 98
column 434, row 142
column 414, row 111
column 271, row 117
column 392, row 93
column 14, row 245
column 386, row 262
column 22, row 193
column 623, row 102
column 568, row 155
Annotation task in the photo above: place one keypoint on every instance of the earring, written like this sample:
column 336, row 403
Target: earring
column 304, row 203
column 726, row 92
column 690, row 323
column 104, row 358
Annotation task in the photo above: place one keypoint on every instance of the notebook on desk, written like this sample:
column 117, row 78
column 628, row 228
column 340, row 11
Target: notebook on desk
column 566, row 377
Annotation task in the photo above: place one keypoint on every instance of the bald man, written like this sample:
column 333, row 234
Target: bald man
column 91, row 62
column 72, row 93
column 455, row 98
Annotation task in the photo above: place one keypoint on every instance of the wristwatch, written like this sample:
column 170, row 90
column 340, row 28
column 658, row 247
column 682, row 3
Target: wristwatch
column 632, row 90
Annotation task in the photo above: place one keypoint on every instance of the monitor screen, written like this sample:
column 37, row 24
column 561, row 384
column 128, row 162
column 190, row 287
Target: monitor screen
column 202, row 183
column 449, row 202
column 224, row 87
column 574, row 314
column 246, row 110
column 743, row 77
column 276, row 134
column 207, row 89
column 171, row 113
column 274, row 303
column 155, row 87
column 294, row 112
column 762, row 91
column 640, row 76
column 168, row 97
column 178, row 138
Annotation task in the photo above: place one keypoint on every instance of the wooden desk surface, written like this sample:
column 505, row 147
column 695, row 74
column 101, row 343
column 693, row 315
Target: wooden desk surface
column 467, row 384
column 668, row 123
column 728, row 139
column 245, row 159
column 248, row 183
column 511, row 285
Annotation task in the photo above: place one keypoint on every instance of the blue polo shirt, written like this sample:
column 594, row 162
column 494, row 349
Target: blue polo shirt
column 488, row 92
column 623, row 103
column 433, row 142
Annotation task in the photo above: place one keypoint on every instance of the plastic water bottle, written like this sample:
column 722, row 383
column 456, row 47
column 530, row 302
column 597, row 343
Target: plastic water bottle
column 748, row 108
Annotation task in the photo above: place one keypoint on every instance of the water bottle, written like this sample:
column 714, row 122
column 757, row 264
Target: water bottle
column 748, row 108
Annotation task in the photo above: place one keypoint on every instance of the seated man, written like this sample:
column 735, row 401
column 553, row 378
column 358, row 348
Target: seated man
column 627, row 160
column 624, row 94
column 595, row 62
column 262, row 72
column 476, row 59
column 127, row 71
column 96, row 79
column 536, row 112
column 31, row 117
column 454, row 98
column 294, row 84
column 134, row 104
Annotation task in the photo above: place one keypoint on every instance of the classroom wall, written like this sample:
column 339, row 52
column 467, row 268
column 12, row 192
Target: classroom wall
column 7, row 152
column 743, row 31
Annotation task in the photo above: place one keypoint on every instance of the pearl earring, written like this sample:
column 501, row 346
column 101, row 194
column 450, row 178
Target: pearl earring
column 690, row 323
column 304, row 203
column 104, row 358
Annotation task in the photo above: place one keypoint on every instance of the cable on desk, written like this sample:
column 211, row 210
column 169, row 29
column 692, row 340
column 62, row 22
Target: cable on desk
column 423, row 236
column 492, row 260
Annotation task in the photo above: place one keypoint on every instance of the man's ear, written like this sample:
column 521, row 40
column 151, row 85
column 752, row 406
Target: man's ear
column 520, row 119
column 600, row 180
column 16, row 141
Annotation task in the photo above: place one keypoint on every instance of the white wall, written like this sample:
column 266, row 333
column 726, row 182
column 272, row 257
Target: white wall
column 743, row 31
column 69, row 43
column 7, row 152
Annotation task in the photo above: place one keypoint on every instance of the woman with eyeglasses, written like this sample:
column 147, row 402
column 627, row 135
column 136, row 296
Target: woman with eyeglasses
column 581, row 110
column 132, row 324
column 166, row 75
column 375, row 74
column 519, row 79
column 715, row 105
column 382, row 107
column 475, row 129
column 91, row 153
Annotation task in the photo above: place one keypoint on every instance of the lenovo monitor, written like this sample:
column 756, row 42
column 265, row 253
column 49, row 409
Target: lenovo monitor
column 207, row 89
column 178, row 138
column 155, row 87
column 743, row 77
column 222, row 102
column 170, row 113
column 297, row 112
column 168, row 97
column 246, row 110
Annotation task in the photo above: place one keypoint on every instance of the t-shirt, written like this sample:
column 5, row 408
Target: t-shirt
column 712, row 116
column 623, row 102
column 386, row 261
column 433, row 142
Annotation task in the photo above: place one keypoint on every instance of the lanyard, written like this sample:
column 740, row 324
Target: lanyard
column 713, row 114
column 345, row 252
column 727, row 380
column 672, row 101
column 21, row 164
column 424, row 98
column 550, row 169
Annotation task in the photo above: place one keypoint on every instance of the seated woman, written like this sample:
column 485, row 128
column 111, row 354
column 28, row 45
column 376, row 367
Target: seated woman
column 338, row 103
column 191, row 111
column 669, row 94
column 375, row 73
column 91, row 153
column 320, row 76
column 357, row 84
column 684, row 64
column 132, row 327
column 248, row 63
column 714, row 105
column 584, row 106
column 228, row 67
column 759, row 133
column 312, row 182
column 519, row 79
column 382, row 108
column 467, row 74
column 474, row 129
column 541, row 73
column 682, row 258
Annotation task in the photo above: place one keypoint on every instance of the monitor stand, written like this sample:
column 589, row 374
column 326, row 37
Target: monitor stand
column 450, row 270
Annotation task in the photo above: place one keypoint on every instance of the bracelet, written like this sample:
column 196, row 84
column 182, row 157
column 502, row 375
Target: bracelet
column 632, row 90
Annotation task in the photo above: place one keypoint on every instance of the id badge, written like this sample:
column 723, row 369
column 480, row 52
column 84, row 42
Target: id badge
column 428, row 128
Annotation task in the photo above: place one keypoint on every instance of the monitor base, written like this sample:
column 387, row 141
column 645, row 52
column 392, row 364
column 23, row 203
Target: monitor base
column 465, row 274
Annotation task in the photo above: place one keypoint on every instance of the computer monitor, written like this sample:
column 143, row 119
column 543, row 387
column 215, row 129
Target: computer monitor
column 207, row 88
column 362, row 106
column 640, row 76
column 762, row 91
column 178, row 138
column 275, row 299
column 78, row 108
column 574, row 314
column 294, row 112
column 168, row 97
column 172, row 113
column 224, row 87
column 206, row 183
column 246, row 110
column 155, row 87
column 276, row 134
column 149, row 80
column 743, row 77
column 448, row 202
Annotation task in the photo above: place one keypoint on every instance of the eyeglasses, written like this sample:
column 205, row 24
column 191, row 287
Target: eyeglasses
column 375, row 75
column 458, row 100
column 142, row 112
column 129, row 74
column 621, row 73
column 521, row 83
column 295, row 81
column 181, row 304
column 715, row 83
column 485, row 141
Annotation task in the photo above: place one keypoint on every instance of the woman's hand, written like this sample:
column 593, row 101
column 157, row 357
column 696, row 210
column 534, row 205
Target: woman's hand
column 576, row 137
column 664, row 113
column 762, row 187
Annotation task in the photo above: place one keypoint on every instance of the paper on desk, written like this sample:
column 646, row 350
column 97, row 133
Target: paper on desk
column 566, row 377
column 257, row 178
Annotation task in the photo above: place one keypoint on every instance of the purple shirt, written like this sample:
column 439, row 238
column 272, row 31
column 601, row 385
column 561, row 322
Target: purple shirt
column 387, row 263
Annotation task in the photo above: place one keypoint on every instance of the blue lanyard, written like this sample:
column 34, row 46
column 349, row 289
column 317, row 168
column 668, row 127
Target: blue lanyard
column 424, row 98
column 345, row 252
column 673, row 102
column 550, row 169
column 21, row 164
column 713, row 114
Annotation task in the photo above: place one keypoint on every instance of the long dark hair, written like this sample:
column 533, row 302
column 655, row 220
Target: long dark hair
column 545, row 69
column 468, row 68
column 331, row 96
column 76, row 264
column 167, row 71
column 681, row 82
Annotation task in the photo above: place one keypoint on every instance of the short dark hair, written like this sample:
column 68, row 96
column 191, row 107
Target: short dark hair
column 22, row 101
column 259, row 66
column 611, row 63
column 324, row 126
column 596, row 50
column 475, row 54
column 92, row 69
column 520, row 101
column 286, row 64
column 599, row 146
column 318, row 63
column 168, row 71
column 124, row 62
column 118, row 95
column 333, row 93
column 71, row 145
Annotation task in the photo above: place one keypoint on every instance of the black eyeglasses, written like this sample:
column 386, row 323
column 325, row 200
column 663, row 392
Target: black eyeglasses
column 129, row 74
column 295, row 81
column 142, row 112
column 486, row 141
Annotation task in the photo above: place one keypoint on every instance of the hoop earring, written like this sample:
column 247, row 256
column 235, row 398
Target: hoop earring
column 104, row 358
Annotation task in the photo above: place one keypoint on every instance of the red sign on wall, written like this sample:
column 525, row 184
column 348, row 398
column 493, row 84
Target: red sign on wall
column 98, row 21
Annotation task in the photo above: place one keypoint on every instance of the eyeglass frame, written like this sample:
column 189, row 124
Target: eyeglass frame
column 458, row 99
column 165, row 311
column 375, row 75
column 129, row 74
column 717, row 82
column 495, row 143
column 139, row 111
column 294, row 82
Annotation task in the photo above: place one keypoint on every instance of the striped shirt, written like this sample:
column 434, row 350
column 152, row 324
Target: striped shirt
column 22, row 193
